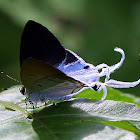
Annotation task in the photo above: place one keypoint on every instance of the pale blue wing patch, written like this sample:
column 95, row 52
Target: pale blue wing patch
column 71, row 63
column 75, row 67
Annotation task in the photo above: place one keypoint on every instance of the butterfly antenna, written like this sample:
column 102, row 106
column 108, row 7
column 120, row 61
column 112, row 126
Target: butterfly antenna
column 10, row 77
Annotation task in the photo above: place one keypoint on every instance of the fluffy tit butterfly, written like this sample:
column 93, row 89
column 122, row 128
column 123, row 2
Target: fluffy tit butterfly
column 50, row 72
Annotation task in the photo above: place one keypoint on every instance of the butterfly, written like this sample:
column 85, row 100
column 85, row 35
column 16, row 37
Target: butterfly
column 51, row 72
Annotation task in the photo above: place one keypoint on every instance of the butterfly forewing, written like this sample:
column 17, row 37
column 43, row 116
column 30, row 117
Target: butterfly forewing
column 39, row 43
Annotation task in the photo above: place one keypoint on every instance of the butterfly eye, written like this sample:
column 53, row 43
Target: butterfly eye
column 86, row 67
column 22, row 90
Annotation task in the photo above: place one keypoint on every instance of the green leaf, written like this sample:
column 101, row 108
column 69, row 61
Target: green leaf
column 78, row 118
column 112, row 94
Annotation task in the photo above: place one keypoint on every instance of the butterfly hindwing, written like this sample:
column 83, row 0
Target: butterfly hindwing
column 42, row 81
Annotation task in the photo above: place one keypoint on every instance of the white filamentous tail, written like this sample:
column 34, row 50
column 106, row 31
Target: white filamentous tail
column 104, row 93
column 120, row 84
column 106, row 71
column 10, row 77
column 118, row 65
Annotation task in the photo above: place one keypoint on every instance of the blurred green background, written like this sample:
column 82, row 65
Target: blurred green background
column 91, row 28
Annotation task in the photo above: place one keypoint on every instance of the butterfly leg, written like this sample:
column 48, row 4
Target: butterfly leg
column 26, row 102
column 30, row 102
column 28, row 99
